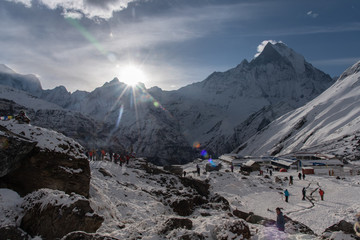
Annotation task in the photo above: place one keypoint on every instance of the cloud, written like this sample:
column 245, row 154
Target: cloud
column 262, row 45
column 27, row 3
column 312, row 14
column 89, row 8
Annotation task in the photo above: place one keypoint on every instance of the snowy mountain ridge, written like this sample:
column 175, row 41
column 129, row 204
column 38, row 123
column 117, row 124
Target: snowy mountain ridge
column 332, row 118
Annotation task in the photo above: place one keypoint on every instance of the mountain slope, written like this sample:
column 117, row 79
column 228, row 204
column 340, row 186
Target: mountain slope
column 330, row 123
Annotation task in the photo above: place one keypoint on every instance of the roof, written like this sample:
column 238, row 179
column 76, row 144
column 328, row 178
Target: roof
column 250, row 163
column 285, row 162
column 321, row 162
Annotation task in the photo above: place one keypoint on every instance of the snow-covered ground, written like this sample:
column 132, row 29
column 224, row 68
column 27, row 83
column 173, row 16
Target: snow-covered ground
column 131, row 212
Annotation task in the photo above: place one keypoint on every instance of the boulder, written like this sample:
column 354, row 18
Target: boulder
column 13, row 148
column 13, row 233
column 33, row 158
column 49, row 170
column 175, row 223
column 232, row 230
column 52, row 214
column 86, row 236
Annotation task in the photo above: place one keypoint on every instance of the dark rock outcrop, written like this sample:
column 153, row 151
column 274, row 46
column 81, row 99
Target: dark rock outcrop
column 175, row 223
column 238, row 229
column 86, row 236
column 13, row 233
column 13, row 148
column 344, row 226
column 52, row 214
column 49, row 170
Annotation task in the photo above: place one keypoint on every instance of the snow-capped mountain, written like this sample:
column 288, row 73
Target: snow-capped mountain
column 163, row 125
column 330, row 123
column 278, row 80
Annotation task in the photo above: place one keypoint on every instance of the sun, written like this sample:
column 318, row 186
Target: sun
column 132, row 75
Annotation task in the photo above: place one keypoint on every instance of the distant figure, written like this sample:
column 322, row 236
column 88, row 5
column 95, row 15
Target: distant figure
column 280, row 221
column 299, row 176
column 198, row 169
column 232, row 167
column 303, row 193
column 270, row 172
column 303, row 176
column 184, row 173
column 321, row 192
column 22, row 118
column 291, row 181
column 287, row 194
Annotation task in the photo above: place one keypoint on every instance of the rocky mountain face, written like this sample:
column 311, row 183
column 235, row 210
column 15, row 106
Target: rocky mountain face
column 329, row 124
column 218, row 113
column 52, row 175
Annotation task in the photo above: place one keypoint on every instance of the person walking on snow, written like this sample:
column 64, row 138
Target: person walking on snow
column 232, row 167
column 299, row 176
column 291, row 181
column 303, row 193
column 287, row 194
column 321, row 192
column 280, row 221
column 198, row 169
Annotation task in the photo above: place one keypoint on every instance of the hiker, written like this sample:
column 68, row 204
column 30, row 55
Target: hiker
column 232, row 167
column 198, row 169
column 304, row 193
column 286, row 193
column 291, row 180
column 280, row 221
column 321, row 192
column 299, row 176
column 22, row 118
column 303, row 176
column 184, row 173
column 270, row 172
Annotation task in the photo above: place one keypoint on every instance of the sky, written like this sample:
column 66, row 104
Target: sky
column 81, row 44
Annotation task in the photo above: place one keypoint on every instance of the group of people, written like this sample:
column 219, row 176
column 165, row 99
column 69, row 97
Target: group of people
column 118, row 158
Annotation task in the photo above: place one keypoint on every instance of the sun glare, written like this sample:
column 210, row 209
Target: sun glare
column 132, row 75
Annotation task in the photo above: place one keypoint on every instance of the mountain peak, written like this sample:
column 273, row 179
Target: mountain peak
column 351, row 70
column 268, row 55
column 6, row 69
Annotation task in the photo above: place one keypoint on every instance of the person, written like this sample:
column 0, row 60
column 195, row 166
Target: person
column 22, row 118
column 291, row 180
column 303, row 193
column 232, row 167
column 303, row 176
column 299, row 176
column 280, row 221
column 286, row 193
column 321, row 192
column 270, row 172
column 184, row 173
column 198, row 169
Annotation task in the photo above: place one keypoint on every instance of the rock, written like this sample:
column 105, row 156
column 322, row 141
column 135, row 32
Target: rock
column 343, row 225
column 104, row 172
column 175, row 223
column 86, row 236
column 14, row 148
column 53, row 214
column 183, row 207
column 49, row 170
column 241, row 214
column 13, row 233
column 297, row 227
column 42, row 159
column 177, row 170
column 237, row 228
column 200, row 186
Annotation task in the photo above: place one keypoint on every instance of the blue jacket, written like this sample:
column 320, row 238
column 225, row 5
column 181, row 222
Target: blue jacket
column 286, row 192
